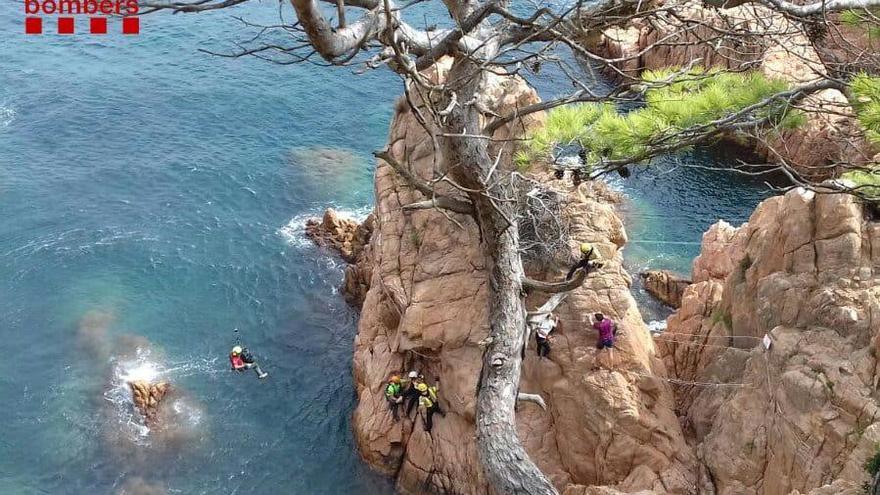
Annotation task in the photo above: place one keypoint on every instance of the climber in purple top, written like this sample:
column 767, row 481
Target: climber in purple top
column 607, row 330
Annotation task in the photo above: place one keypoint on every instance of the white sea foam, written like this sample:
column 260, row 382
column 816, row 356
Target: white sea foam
column 7, row 115
column 119, row 393
column 143, row 366
column 294, row 233
column 657, row 326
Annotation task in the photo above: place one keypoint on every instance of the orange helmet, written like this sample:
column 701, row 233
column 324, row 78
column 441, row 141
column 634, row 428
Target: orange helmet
column 395, row 379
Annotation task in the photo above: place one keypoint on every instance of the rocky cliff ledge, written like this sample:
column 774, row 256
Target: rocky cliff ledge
column 606, row 423
column 801, row 417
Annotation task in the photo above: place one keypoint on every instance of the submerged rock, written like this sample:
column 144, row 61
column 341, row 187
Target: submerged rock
column 137, row 485
column 666, row 286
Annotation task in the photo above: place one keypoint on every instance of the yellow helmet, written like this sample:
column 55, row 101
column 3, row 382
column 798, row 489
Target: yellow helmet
column 422, row 387
column 586, row 247
column 236, row 350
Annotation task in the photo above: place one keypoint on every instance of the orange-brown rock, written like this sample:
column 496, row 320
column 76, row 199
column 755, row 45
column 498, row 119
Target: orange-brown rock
column 801, row 417
column 147, row 398
column 351, row 240
column 608, row 421
column 666, row 286
column 345, row 235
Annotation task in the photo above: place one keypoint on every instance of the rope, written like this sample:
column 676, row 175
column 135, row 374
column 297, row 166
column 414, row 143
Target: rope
column 775, row 409
column 685, row 217
column 684, row 342
column 698, row 384
column 652, row 241
column 710, row 336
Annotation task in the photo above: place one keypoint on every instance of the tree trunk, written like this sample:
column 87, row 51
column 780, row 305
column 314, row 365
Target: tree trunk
column 505, row 461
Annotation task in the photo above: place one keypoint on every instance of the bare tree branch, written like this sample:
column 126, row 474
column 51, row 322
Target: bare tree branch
column 555, row 287
column 819, row 7
column 443, row 202
column 533, row 398
column 436, row 200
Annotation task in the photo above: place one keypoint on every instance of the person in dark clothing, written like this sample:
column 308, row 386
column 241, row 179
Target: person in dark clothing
column 589, row 260
column 410, row 391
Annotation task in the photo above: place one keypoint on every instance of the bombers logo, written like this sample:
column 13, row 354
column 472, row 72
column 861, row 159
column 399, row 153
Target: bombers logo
column 64, row 10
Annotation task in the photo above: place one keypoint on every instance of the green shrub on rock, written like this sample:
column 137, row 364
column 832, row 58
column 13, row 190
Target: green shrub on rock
column 676, row 103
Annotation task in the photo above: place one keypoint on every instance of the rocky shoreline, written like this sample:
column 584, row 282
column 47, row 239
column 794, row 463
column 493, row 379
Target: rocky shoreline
column 735, row 417
column 352, row 241
column 709, row 407
column 801, row 417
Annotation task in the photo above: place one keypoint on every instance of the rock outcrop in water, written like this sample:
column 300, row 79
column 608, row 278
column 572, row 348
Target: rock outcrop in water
column 607, row 421
column 345, row 235
column 144, row 420
column 801, row 417
column 666, row 286
column 147, row 398
column 351, row 240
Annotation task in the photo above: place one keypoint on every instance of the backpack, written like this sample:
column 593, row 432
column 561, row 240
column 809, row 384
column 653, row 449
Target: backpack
column 392, row 390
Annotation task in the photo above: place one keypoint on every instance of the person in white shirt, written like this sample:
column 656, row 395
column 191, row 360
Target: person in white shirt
column 542, row 334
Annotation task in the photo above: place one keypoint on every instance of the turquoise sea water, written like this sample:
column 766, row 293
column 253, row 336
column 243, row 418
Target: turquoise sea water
column 151, row 196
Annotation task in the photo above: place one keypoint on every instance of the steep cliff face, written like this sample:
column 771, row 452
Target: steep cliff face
column 607, row 421
column 801, row 417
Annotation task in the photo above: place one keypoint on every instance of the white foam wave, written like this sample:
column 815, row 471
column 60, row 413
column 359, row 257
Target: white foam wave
column 119, row 394
column 294, row 233
column 144, row 367
column 657, row 326
column 7, row 115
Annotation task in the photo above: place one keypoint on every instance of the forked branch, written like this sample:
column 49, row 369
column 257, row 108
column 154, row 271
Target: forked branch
column 436, row 201
column 555, row 287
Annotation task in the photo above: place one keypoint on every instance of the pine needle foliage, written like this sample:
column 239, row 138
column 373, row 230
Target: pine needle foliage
column 865, row 100
column 863, row 20
column 867, row 182
column 673, row 102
